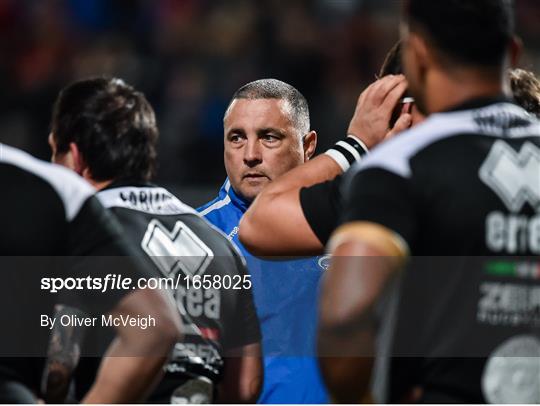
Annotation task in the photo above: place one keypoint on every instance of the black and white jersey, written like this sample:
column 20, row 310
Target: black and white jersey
column 47, row 213
column 461, row 193
column 218, row 315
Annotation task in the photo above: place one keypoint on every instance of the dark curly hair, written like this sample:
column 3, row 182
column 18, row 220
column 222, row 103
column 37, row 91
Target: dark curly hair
column 526, row 90
column 112, row 124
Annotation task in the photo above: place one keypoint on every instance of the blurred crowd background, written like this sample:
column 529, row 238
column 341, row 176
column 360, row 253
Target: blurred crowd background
column 189, row 56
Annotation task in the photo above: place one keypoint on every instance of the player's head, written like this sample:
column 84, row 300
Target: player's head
column 526, row 90
column 447, row 40
column 266, row 133
column 104, row 130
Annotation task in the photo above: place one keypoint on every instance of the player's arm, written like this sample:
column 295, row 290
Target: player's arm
column 275, row 224
column 243, row 372
column 368, row 249
column 365, row 257
column 62, row 356
column 134, row 360
column 242, row 375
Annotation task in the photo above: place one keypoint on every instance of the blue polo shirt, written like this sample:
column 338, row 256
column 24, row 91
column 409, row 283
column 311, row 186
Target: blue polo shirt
column 285, row 295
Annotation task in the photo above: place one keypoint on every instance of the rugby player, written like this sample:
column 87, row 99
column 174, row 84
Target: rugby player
column 302, row 207
column 267, row 133
column 49, row 212
column 464, row 185
column 105, row 130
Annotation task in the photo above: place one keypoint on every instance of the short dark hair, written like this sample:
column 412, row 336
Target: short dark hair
column 276, row 89
column 112, row 124
column 526, row 90
column 473, row 32
column 392, row 62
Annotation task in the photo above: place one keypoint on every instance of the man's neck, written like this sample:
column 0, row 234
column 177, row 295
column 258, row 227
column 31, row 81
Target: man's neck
column 99, row 185
column 462, row 85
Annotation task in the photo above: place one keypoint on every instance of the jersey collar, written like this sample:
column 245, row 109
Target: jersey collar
column 239, row 202
column 480, row 102
column 128, row 183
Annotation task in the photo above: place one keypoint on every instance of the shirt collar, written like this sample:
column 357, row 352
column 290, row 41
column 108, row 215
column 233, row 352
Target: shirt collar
column 479, row 102
column 237, row 200
column 128, row 182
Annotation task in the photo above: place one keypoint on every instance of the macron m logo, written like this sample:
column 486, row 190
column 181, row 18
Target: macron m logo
column 514, row 177
column 176, row 249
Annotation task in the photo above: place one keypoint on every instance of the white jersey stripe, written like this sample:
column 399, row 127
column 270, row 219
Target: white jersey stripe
column 70, row 187
column 395, row 154
column 217, row 205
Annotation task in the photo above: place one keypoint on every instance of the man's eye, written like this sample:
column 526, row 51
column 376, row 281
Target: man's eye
column 270, row 138
column 235, row 138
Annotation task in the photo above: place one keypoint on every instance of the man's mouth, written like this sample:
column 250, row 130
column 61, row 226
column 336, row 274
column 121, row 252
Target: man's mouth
column 254, row 176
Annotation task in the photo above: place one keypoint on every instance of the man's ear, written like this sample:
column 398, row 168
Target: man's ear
column 309, row 144
column 79, row 165
column 423, row 57
column 516, row 49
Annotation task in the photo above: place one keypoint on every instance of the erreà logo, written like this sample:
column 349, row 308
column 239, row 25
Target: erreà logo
column 514, row 177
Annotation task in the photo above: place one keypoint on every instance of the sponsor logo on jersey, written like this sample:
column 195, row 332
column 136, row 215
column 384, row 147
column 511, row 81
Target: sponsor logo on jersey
column 512, row 372
column 513, row 234
column 509, row 304
column 233, row 233
column 176, row 249
column 501, row 119
column 514, row 177
column 197, row 353
column 324, row 262
column 517, row 269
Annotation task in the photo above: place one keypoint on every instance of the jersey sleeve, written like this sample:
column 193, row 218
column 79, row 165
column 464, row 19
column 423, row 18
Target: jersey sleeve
column 321, row 204
column 97, row 249
column 379, row 196
column 244, row 328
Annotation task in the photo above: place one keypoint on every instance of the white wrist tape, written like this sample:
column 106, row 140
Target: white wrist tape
column 348, row 151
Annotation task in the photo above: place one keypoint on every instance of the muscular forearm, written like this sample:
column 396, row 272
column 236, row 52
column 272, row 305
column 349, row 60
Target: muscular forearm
column 125, row 379
column 134, row 359
column 318, row 170
column 242, row 376
column 351, row 288
column 278, row 212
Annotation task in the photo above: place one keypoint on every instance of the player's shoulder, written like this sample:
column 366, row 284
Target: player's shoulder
column 68, row 186
column 497, row 120
column 157, row 203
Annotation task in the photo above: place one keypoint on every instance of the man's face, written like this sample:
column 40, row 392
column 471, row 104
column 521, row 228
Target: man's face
column 261, row 143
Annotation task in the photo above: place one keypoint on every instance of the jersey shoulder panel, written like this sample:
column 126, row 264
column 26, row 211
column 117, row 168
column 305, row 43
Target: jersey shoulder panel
column 136, row 207
column 497, row 120
column 71, row 188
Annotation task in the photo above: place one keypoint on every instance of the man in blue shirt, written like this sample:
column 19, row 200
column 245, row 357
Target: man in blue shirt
column 267, row 133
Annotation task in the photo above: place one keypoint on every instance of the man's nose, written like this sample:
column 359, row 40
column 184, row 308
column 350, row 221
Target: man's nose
column 252, row 153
